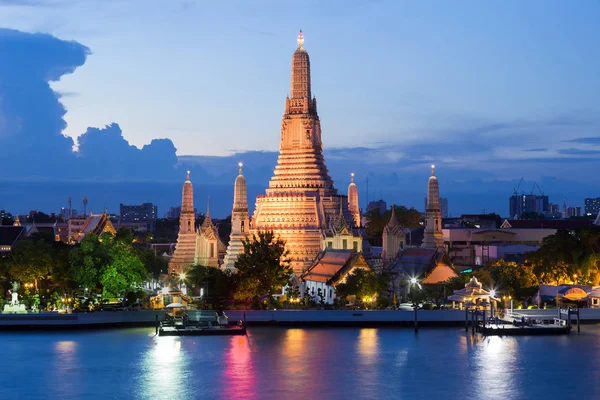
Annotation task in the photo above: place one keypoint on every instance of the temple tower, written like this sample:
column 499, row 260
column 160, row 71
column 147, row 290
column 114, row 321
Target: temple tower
column 353, row 201
column 240, row 222
column 433, row 237
column 185, row 249
column 393, row 238
column 301, row 200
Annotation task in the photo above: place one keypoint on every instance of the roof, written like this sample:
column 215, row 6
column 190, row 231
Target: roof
column 547, row 223
column 419, row 261
column 332, row 265
column 97, row 224
column 10, row 234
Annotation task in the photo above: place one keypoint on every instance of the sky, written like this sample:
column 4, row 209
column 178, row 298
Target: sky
column 140, row 90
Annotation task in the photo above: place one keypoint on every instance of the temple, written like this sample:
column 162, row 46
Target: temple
column 185, row 249
column 433, row 236
column 301, row 202
column 210, row 250
column 353, row 201
column 393, row 238
column 240, row 222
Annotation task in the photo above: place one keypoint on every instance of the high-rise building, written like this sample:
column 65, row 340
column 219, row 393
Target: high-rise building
column 527, row 203
column 377, row 205
column 143, row 212
column 301, row 203
column 573, row 212
column 592, row 206
column 240, row 223
column 433, row 237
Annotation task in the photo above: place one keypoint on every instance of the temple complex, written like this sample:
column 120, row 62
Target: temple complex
column 240, row 222
column 433, row 237
column 353, row 201
column 301, row 201
column 185, row 249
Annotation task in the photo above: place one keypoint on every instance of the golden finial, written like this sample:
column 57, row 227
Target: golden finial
column 300, row 39
column 352, row 177
column 240, row 165
column 432, row 170
column 187, row 177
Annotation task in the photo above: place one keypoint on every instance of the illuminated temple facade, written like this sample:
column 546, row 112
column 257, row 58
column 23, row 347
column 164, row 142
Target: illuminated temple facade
column 301, row 204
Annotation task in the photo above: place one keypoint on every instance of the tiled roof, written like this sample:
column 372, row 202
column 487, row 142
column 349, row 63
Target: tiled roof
column 10, row 234
column 418, row 261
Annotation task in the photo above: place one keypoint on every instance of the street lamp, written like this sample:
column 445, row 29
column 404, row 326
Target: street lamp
column 414, row 281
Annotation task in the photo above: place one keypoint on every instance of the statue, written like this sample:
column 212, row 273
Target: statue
column 15, row 294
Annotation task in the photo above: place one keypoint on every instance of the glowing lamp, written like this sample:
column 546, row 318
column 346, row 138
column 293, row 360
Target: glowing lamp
column 182, row 276
column 493, row 293
column 413, row 280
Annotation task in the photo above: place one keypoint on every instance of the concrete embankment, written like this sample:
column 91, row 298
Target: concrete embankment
column 104, row 319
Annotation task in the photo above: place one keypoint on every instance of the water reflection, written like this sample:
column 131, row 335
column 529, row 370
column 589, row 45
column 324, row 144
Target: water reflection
column 293, row 351
column 368, row 346
column 164, row 369
column 494, row 361
column 65, row 368
column 238, row 380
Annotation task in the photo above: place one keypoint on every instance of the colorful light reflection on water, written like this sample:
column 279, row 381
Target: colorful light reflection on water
column 277, row 363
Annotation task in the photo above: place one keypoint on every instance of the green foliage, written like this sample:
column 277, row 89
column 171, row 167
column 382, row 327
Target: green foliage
column 217, row 284
column 263, row 267
column 30, row 261
column 363, row 283
column 512, row 278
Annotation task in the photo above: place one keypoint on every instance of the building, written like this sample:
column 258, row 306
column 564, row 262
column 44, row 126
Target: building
column 301, row 203
column 591, row 206
column 240, row 221
column 473, row 295
column 433, row 237
column 9, row 236
column 341, row 236
column 528, row 203
column 571, row 224
column 146, row 213
column 443, row 206
column 377, row 205
column 185, row 249
column 97, row 224
column 329, row 269
column 573, row 212
column 210, row 250
column 393, row 239
column 468, row 247
column 554, row 210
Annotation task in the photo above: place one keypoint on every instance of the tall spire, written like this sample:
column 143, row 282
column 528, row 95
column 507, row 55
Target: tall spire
column 240, row 223
column 186, row 240
column 433, row 237
column 353, row 201
column 300, row 72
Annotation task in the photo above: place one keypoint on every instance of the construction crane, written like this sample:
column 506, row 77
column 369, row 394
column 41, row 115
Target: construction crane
column 538, row 187
column 516, row 191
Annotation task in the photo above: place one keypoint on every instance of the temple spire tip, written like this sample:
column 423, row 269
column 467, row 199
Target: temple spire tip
column 300, row 39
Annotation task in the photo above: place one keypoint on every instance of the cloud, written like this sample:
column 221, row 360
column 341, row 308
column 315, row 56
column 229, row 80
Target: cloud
column 579, row 152
column 540, row 149
column 585, row 140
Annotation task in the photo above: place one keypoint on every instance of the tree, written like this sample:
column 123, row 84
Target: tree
column 263, row 267
column 363, row 283
column 123, row 272
column 30, row 261
column 87, row 260
column 376, row 221
column 216, row 283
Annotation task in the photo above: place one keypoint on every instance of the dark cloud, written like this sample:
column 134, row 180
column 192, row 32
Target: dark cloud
column 31, row 120
column 585, row 140
column 541, row 149
column 579, row 152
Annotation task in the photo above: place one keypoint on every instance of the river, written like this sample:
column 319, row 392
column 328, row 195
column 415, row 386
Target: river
column 306, row 363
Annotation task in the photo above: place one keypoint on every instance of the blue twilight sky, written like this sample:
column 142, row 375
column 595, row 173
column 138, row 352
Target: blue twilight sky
column 488, row 91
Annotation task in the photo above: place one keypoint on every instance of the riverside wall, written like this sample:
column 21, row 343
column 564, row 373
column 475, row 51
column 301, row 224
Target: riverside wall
column 105, row 319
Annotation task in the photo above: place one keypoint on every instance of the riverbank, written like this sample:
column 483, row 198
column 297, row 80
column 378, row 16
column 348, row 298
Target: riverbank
column 357, row 318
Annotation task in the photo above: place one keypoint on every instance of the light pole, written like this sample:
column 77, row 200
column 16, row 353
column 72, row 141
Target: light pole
column 414, row 281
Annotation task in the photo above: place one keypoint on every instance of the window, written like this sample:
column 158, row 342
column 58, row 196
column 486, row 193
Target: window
column 329, row 244
column 345, row 244
column 212, row 250
column 330, row 294
column 243, row 226
column 355, row 245
column 189, row 226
